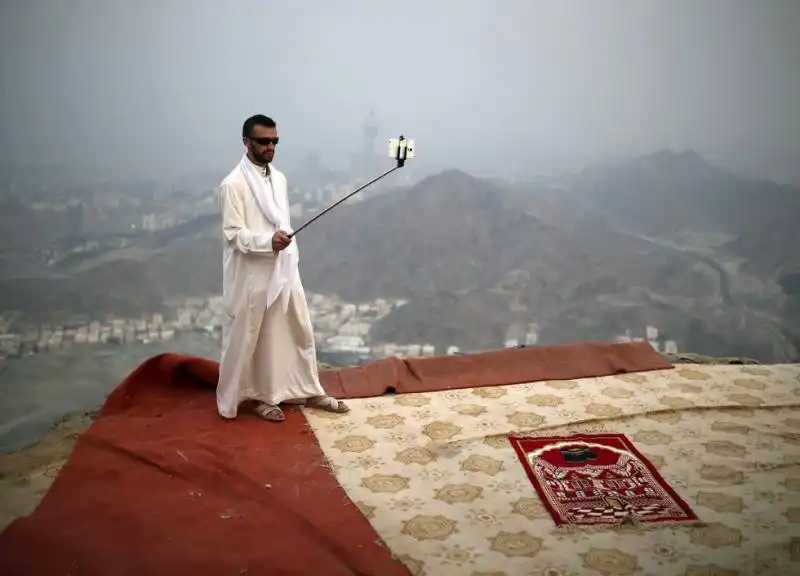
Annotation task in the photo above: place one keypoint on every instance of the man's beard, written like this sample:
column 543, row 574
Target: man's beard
column 261, row 158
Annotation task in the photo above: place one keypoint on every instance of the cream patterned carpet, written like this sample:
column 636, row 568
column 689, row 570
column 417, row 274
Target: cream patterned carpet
column 440, row 483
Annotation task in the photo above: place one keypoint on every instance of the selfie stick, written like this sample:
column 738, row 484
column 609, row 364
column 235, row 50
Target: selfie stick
column 400, row 149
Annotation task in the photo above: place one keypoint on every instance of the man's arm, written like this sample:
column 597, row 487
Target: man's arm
column 234, row 229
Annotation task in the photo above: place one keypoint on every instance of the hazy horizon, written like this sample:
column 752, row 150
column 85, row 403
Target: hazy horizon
column 161, row 88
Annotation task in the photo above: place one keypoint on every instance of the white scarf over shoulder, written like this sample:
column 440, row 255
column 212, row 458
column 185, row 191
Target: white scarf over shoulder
column 276, row 210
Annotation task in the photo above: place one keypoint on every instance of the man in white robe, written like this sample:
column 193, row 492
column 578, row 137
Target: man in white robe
column 268, row 351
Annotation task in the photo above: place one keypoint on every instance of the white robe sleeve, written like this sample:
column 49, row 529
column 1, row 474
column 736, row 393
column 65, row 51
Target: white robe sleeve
column 235, row 229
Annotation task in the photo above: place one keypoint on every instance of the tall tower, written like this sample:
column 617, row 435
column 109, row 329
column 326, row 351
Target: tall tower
column 368, row 137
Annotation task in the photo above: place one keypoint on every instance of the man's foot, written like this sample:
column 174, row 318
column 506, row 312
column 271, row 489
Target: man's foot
column 269, row 413
column 327, row 403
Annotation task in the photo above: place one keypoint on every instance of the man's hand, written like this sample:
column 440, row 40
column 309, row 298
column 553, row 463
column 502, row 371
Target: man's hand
column 280, row 241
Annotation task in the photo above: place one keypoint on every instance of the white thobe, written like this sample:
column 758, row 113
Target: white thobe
column 268, row 355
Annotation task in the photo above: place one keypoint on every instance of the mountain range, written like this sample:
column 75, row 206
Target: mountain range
column 665, row 240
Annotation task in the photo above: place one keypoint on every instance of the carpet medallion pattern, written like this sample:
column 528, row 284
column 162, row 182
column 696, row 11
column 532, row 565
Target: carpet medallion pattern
column 438, row 479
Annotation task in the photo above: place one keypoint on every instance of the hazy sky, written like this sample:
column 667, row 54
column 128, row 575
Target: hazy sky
column 164, row 85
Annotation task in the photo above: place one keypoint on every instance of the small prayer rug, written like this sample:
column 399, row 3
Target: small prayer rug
column 598, row 480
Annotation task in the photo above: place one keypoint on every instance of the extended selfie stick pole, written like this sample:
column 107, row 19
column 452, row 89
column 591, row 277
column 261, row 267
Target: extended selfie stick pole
column 401, row 150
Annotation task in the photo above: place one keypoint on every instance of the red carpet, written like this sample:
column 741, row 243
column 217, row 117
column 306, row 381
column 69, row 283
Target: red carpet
column 598, row 479
column 495, row 368
column 160, row 484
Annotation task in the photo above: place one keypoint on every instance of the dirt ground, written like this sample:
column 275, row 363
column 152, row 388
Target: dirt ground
column 26, row 475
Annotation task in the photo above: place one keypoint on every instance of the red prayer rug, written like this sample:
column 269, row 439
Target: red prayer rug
column 598, row 480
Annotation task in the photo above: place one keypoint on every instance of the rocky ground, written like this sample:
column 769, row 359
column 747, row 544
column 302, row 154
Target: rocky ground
column 26, row 475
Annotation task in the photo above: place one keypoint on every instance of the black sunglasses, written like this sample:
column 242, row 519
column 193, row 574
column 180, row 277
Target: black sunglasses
column 265, row 141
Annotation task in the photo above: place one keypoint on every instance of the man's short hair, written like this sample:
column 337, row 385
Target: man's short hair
column 257, row 120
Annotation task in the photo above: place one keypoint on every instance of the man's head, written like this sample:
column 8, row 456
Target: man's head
column 260, row 137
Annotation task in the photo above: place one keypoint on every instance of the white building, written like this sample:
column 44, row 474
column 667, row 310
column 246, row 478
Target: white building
column 414, row 350
column 345, row 343
column 354, row 328
column 149, row 222
column 671, row 347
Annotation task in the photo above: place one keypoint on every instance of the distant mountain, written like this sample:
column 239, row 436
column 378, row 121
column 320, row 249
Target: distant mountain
column 397, row 244
column 21, row 226
column 680, row 197
column 131, row 280
column 450, row 233
column 665, row 240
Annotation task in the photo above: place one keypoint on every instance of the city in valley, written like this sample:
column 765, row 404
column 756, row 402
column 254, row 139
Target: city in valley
column 341, row 331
